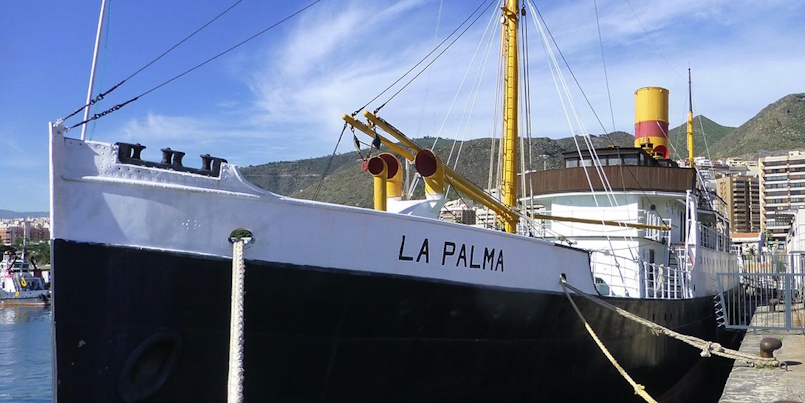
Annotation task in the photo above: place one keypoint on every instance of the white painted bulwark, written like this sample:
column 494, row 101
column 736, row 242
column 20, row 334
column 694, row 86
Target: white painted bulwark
column 100, row 200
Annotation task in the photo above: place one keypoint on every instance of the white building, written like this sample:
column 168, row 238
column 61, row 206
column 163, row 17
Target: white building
column 782, row 192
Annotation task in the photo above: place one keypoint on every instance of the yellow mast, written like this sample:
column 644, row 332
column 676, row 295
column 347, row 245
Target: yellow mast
column 690, row 123
column 506, row 209
column 508, row 188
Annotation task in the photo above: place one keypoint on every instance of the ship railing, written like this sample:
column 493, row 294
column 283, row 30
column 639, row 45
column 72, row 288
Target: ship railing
column 614, row 275
column 770, row 293
column 650, row 217
column 713, row 239
column 628, row 278
column 662, row 281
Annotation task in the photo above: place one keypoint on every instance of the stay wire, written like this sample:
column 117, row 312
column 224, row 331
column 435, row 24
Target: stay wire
column 426, row 58
column 652, row 40
column 631, row 173
column 118, row 106
column 183, row 40
column 604, row 62
column 103, row 94
column 329, row 162
column 435, row 58
column 527, row 91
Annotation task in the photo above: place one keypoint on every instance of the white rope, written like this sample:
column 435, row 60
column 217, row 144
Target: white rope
column 234, row 387
column 564, row 92
column 707, row 347
column 479, row 50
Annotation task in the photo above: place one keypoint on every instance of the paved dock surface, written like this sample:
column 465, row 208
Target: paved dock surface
column 748, row 384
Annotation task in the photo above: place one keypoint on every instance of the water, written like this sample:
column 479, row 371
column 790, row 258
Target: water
column 25, row 354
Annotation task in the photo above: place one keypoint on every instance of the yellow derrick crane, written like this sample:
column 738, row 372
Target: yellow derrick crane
column 409, row 150
column 506, row 209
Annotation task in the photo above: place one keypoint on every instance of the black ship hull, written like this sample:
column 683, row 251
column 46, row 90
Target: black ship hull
column 155, row 328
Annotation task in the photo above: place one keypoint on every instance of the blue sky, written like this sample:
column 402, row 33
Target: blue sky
column 281, row 96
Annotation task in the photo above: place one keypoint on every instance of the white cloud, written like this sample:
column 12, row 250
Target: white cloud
column 303, row 82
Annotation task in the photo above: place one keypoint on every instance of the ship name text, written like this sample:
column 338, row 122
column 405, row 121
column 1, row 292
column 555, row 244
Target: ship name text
column 452, row 254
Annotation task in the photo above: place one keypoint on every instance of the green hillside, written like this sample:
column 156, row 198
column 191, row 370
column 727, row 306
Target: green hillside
column 778, row 127
column 706, row 133
column 347, row 184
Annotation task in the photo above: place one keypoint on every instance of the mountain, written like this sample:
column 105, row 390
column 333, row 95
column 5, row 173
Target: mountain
column 7, row 214
column 346, row 184
column 778, row 127
column 706, row 134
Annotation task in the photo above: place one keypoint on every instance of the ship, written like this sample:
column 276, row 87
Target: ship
column 22, row 283
column 389, row 304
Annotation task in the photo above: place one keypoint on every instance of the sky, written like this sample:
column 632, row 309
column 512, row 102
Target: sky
column 280, row 96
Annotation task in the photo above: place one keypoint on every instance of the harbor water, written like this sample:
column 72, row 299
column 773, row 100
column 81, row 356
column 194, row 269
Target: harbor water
column 26, row 354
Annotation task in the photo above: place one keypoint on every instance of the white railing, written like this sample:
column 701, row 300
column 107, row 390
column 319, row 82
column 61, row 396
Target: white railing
column 664, row 282
column 641, row 279
column 651, row 218
column 712, row 239
column 614, row 279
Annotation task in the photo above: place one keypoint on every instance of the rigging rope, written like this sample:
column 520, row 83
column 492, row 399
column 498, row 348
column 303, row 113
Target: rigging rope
column 704, row 137
column 536, row 11
column 652, row 41
column 118, row 106
column 103, row 94
column 431, row 62
column 474, row 90
column 329, row 162
column 421, row 61
column 604, row 62
column 427, row 81
column 561, row 82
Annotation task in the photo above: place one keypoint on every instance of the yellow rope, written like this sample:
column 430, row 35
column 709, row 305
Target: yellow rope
column 638, row 388
column 707, row 347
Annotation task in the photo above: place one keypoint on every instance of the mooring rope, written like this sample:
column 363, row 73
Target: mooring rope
column 638, row 388
column 235, row 379
column 708, row 348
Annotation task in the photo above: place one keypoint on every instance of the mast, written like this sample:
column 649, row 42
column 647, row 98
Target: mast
column 92, row 71
column 690, row 122
column 510, row 97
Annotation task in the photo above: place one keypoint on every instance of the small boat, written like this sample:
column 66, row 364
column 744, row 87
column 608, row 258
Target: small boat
column 21, row 283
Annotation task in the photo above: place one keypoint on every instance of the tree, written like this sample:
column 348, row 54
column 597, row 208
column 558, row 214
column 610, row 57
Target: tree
column 38, row 252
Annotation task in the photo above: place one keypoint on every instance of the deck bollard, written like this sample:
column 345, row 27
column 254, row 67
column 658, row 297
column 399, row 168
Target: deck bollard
column 768, row 345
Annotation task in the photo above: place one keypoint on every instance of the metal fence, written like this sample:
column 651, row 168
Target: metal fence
column 769, row 296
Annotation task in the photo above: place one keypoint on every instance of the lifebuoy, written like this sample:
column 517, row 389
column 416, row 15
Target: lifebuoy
column 23, row 283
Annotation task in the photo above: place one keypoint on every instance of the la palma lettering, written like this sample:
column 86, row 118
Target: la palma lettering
column 463, row 255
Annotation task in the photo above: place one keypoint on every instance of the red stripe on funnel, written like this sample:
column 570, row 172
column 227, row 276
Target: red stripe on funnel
column 651, row 128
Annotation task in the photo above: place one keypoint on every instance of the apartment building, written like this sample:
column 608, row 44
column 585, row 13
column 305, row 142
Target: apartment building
column 782, row 192
column 741, row 193
column 33, row 229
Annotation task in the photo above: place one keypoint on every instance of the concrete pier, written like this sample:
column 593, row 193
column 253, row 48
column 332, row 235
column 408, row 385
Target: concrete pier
column 748, row 384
